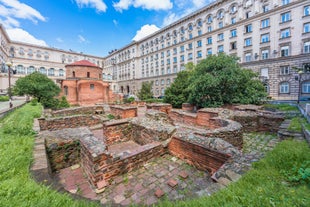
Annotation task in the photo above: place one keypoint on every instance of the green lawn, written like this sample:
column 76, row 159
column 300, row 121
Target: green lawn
column 272, row 182
column 16, row 186
column 281, row 107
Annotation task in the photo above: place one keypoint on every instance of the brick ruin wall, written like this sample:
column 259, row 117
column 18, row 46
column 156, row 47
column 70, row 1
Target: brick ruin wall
column 259, row 123
column 166, row 108
column 117, row 132
column 77, row 110
column 214, row 126
column 201, row 157
column 63, row 154
column 102, row 168
column 68, row 122
column 123, row 112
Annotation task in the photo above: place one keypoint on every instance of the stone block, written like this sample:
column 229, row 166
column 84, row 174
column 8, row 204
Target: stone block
column 172, row 183
column 159, row 193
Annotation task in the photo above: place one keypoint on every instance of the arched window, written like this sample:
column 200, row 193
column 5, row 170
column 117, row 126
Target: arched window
column 73, row 74
column 20, row 69
column 190, row 27
column 199, row 23
column 51, row 72
column 30, row 70
column 66, row 90
column 284, row 87
column 209, row 19
column 42, row 70
column 61, row 72
column 220, row 14
column 305, row 87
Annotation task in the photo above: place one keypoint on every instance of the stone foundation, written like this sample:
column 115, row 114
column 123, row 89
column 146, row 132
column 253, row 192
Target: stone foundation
column 123, row 112
column 166, row 108
column 202, row 157
column 117, row 131
column 188, row 107
column 87, row 110
column 68, row 122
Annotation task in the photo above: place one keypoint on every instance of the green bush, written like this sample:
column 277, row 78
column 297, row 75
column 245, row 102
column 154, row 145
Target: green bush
column 4, row 98
column 129, row 100
column 51, row 103
column 299, row 174
column 34, row 102
column 63, row 103
column 110, row 116
column 154, row 100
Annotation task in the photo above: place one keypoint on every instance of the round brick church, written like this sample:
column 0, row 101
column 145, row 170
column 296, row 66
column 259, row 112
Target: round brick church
column 84, row 85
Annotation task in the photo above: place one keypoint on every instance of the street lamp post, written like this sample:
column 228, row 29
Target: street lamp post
column 300, row 72
column 9, row 64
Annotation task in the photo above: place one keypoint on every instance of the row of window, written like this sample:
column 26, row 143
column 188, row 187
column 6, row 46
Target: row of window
column 220, row 15
column 20, row 69
column 284, row 87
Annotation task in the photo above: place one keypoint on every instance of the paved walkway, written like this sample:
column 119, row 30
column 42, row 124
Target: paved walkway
column 161, row 178
column 4, row 106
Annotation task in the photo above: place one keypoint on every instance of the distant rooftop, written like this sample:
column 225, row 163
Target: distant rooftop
column 84, row 63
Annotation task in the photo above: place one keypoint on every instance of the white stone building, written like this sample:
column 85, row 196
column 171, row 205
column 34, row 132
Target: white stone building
column 270, row 37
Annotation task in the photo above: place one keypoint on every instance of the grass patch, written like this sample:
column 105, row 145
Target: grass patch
column 4, row 98
column 296, row 124
column 16, row 144
column 267, row 184
column 281, row 107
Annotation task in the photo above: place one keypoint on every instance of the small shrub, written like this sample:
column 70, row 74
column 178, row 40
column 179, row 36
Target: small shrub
column 63, row 103
column 154, row 100
column 4, row 98
column 110, row 116
column 299, row 174
column 51, row 103
column 129, row 100
column 34, row 102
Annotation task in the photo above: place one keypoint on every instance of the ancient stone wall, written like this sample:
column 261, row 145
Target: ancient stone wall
column 117, row 131
column 201, row 157
column 188, row 107
column 203, row 119
column 166, row 108
column 78, row 110
column 68, row 122
column 259, row 122
column 101, row 168
column 123, row 112
column 63, row 154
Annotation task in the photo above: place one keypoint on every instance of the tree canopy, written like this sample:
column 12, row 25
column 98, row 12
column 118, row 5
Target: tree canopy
column 215, row 81
column 38, row 86
column 178, row 92
column 146, row 91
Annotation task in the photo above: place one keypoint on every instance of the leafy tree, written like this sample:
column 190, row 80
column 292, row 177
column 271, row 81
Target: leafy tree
column 219, row 80
column 178, row 93
column 146, row 91
column 38, row 86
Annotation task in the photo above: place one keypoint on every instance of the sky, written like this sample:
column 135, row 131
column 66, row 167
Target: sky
column 93, row 27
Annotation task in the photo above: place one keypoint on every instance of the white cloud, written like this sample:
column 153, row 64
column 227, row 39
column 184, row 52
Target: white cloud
column 99, row 5
column 145, row 31
column 82, row 39
column 11, row 10
column 145, row 4
column 200, row 3
column 58, row 39
column 115, row 22
column 21, row 35
column 184, row 9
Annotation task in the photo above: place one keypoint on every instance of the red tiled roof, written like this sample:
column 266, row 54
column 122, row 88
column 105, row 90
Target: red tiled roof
column 84, row 63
